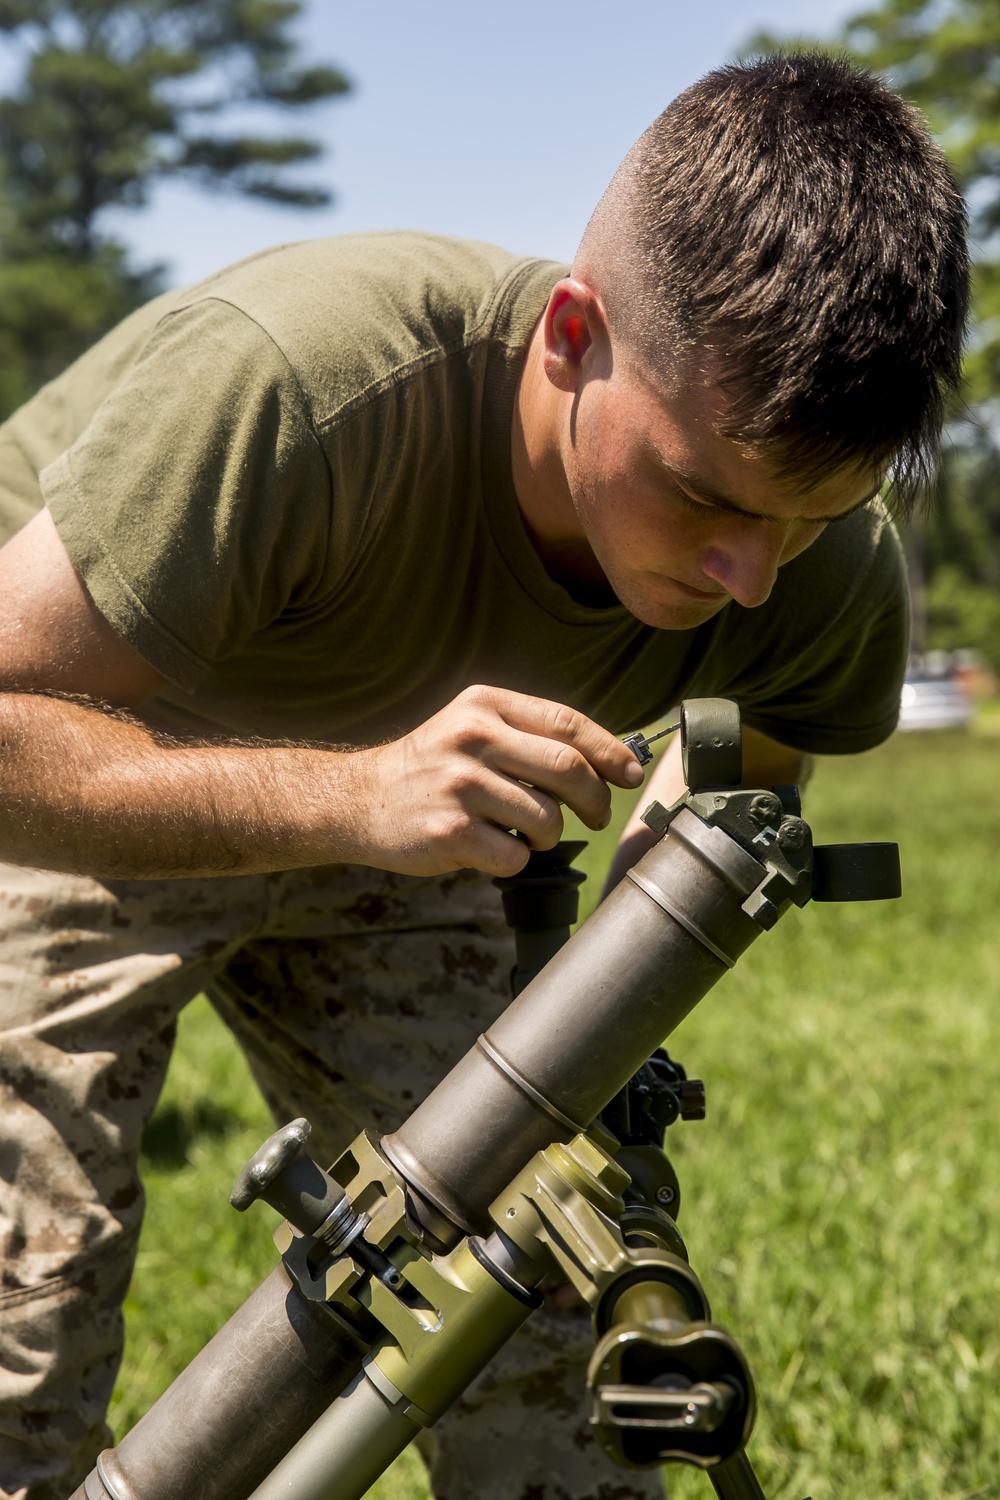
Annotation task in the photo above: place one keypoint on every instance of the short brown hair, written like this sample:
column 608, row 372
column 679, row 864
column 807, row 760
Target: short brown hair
column 791, row 220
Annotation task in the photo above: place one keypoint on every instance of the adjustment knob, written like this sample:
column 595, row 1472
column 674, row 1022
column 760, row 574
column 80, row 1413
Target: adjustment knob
column 289, row 1180
column 691, row 1098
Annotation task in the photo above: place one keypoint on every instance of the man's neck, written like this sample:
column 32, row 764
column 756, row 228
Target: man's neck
column 540, row 425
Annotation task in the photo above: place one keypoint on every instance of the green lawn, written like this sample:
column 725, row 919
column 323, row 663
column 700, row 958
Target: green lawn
column 842, row 1203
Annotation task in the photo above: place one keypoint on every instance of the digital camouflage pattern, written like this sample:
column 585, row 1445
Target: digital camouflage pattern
column 352, row 992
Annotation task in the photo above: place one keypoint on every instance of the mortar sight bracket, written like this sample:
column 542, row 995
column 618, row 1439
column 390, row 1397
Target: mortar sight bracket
column 766, row 823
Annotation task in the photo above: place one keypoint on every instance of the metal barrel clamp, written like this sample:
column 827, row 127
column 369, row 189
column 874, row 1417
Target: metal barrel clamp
column 409, row 1263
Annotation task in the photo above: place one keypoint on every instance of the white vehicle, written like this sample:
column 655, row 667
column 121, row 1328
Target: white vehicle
column 934, row 695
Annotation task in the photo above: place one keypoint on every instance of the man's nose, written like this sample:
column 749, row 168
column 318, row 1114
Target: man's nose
column 747, row 564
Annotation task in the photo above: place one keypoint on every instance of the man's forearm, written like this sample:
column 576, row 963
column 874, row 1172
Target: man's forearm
column 95, row 792
column 92, row 791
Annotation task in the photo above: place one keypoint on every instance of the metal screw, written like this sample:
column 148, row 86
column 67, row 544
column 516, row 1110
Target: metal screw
column 665, row 1195
column 765, row 809
column 792, row 833
column 639, row 743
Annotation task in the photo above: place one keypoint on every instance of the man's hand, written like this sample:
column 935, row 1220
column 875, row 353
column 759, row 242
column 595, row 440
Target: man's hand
column 94, row 792
column 492, row 764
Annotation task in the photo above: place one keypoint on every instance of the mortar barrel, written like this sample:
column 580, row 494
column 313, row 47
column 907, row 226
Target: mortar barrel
column 579, row 1031
column 254, row 1389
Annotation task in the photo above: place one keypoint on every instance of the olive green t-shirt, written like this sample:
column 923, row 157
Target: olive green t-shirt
column 289, row 488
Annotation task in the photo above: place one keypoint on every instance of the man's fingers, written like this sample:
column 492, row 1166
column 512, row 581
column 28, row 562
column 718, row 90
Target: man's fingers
column 497, row 853
column 554, row 721
column 507, row 804
column 557, row 768
column 483, row 840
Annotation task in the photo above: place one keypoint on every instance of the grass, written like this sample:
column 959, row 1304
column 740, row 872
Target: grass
column 841, row 1203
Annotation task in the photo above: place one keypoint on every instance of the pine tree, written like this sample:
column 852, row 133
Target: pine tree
column 944, row 55
column 115, row 96
column 946, row 58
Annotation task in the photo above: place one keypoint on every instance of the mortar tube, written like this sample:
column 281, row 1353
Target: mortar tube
column 227, row 1419
column 576, row 1034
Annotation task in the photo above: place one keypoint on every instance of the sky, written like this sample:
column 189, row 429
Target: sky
column 494, row 121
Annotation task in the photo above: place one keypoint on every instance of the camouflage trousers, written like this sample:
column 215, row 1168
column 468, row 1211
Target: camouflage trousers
column 351, row 992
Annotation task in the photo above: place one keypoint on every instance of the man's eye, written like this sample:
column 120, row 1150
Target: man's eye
column 691, row 503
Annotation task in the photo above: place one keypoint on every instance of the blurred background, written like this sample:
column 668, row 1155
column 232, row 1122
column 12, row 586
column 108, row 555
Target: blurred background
column 841, row 1202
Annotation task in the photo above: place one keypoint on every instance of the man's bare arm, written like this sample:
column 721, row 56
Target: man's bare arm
column 765, row 763
column 84, row 787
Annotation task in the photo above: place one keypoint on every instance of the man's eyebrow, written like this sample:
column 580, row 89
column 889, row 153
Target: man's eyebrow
column 701, row 490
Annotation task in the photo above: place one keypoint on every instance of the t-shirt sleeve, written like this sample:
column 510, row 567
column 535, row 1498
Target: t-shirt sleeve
column 819, row 668
column 196, row 503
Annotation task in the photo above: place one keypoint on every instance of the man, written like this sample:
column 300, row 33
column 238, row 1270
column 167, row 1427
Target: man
column 342, row 569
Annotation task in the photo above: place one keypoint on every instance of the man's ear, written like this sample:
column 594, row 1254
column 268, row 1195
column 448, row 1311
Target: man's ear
column 575, row 329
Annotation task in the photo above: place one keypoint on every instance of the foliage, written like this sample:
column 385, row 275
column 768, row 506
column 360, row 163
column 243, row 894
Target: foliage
column 961, row 546
column 52, row 307
column 113, row 97
column 945, row 57
column 960, row 611
column 836, row 1204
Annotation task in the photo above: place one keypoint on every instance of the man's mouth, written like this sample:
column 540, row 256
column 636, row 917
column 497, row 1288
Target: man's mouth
column 706, row 596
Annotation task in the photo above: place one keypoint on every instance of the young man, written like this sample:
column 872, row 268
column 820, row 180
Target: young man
column 339, row 570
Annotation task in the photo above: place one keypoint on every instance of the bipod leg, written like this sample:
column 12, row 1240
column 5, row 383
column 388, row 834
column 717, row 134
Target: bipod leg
column 735, row 1479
